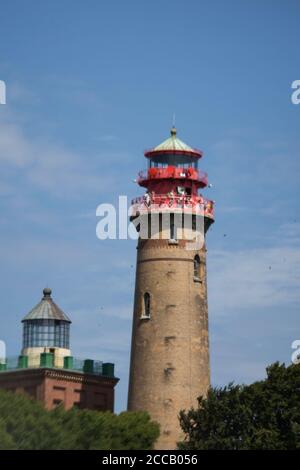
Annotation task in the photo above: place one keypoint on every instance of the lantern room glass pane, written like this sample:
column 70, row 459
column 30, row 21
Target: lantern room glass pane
column 50, row 333
column 162, row 161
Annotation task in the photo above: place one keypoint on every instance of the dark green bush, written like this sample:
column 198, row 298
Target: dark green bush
column 25, row 424
column 263, row 415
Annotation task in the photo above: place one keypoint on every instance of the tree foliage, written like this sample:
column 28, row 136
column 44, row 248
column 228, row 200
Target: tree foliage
column 25, row 424
column 263, row 415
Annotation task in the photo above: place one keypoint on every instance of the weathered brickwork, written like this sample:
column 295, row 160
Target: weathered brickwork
column 170, row 350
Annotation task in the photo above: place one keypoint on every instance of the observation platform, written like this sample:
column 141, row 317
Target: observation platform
column 167, row 203
column 172, row 172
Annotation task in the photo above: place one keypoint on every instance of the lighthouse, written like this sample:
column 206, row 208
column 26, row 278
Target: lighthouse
column 46, row 371
column 169, row 366
column 46, row 329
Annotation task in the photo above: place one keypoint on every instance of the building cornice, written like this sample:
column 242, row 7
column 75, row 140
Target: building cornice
column 59, row 374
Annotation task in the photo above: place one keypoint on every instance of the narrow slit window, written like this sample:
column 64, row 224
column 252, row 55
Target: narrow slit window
column 173, row 228
column 197, row 267
column 147, row 305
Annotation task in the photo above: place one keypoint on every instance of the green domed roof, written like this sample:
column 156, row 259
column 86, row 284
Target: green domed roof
column 173, row 145
column 46, row 309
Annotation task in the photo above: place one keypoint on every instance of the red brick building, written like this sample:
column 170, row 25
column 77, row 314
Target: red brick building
column 47, row 372
column 54, row 387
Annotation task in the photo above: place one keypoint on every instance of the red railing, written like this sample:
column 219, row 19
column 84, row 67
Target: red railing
column 166, row 201
column 175, row 173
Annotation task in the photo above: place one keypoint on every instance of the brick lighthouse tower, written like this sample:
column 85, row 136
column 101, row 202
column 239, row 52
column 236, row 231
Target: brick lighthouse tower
column 169, row 350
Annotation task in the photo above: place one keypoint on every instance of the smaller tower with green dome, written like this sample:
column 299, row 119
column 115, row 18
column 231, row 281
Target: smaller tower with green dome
column 46, row 329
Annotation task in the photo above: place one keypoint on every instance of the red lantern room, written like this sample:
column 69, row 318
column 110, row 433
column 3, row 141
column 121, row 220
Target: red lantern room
column 173, row 179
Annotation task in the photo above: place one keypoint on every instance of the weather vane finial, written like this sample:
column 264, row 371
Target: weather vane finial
column 173, row 130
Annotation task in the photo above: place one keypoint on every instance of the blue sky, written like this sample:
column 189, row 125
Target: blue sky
column 90, row 85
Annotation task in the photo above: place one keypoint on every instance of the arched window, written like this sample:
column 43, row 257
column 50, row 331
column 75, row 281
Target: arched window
column 197, row 267
column 147, row 305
